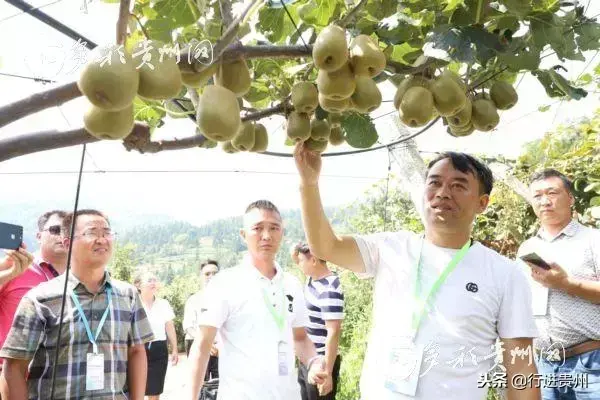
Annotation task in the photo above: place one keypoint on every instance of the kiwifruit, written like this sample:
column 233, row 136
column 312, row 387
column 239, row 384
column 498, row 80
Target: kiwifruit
column 319, row 129
column 330, row 50
column 448, row 96
column 218, row 113
column 366, row 96
column 228, row 147
column 366, row 57
column 463, row 116
column 199, row 79
column 484, row 115
column 261, row 139
column 110, row 125
column 504, row 95
column 235, row 76
column 160, row 77
column 416, row 108
column 305, row 97
column 407, row 83
column 106, row 81
column 244, row 139
column 336, row 137
column 298, row 126
column 333, row 106
column 338, row 84
column 316, row 145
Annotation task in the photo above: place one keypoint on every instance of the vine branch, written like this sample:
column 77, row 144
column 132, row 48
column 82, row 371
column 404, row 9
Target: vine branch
column 123, row 21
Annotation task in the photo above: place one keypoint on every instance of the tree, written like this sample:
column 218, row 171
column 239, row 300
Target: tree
column 123, row 263
column 482, row 41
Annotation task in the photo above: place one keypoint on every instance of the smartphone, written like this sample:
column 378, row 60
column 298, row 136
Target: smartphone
column 11, row 236
column 536, row 260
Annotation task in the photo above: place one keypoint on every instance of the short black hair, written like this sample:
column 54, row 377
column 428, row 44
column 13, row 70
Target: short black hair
column 550, row 173
column 466, row 163
column 304, row 249
column 262, row 205
column 209, row 262
column 68, row 219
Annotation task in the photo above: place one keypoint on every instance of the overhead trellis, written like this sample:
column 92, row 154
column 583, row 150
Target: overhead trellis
column 477, row 39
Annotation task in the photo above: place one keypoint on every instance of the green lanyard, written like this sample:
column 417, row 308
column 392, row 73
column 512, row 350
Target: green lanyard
column 421, row 303
column 278, row 317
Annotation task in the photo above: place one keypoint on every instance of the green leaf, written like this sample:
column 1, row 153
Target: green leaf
column 546, row 5
column 111, row 1
column 557, row 86
column 468, row 44
column 452, row 5
column 360, row 131
column 595, row 201
column 160, row 29
column 592, row 187
column 588, row 35
column 265, row 66
column 146, row 111
column 381, row 9
column 585, row 79
column 405, row 53
column 395, row 32
column 544, row 108
column 275, row 24
column 319, row 12
column 517, row 7
column 521, row 58
column 547, row 28
column 258, row 92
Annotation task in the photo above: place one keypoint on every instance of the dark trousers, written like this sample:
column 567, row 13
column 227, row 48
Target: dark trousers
column 212, row 369
column 311, row 392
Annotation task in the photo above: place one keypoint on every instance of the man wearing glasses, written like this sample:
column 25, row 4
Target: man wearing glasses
column 49, row 262
column 101, row 351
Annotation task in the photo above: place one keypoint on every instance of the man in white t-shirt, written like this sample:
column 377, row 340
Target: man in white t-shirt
column 260, row 314
column 440, row 302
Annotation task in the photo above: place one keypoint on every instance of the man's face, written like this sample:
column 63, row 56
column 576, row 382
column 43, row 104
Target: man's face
column 551, row 201
column 92, row 242
column 263, row 231
column 306, row 263
column 150, row 284
column 452, row 198
column 51, row 240
column 208, row 271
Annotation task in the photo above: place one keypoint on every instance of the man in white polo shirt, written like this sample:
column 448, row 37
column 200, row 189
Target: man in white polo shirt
column 440, row 301
column 567, row 294
column 260, row 314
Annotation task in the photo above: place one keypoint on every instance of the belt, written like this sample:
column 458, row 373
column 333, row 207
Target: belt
column 581, row 348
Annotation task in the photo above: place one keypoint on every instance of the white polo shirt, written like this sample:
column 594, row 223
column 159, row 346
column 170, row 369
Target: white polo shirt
column 248, row 357
column 486, row 296
column 159, row 314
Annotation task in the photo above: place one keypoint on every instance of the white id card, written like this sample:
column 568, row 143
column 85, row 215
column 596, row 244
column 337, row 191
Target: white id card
column 282, row 359
column 404, row 366
column 94, row 375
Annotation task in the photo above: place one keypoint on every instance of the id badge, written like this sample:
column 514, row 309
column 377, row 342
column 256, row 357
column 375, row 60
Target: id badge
column 282, row 359
column 404, row 366
column 94, row 374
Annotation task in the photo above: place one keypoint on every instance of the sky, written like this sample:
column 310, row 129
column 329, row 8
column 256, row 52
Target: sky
column 203, row 185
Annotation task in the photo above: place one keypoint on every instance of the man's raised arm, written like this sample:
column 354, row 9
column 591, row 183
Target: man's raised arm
column 322, row 240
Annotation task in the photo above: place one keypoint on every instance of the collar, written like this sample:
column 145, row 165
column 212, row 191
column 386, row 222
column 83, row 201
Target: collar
column 75, row 284
column 248, row 265
column 40, row 262
column 570, row 230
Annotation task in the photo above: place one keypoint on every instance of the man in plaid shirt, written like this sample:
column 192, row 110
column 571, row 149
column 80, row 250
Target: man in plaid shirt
column 101, row 354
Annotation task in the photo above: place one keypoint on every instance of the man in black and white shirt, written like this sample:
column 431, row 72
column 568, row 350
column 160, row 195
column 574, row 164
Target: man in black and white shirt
column 325, row 303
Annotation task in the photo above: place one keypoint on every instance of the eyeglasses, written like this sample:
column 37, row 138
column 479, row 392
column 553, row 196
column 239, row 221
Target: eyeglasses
column 53, row 230
column 109, row 235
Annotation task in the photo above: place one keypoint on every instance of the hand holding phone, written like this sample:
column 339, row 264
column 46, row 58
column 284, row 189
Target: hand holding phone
column 11, row 236
column 536, row 260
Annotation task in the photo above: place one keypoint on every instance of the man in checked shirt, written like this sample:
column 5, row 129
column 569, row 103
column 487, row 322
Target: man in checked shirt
column 568, row 293
column 101, row 353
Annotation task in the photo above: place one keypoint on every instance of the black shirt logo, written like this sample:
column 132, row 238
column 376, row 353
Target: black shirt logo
column 291, row 305
column 472, row 287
